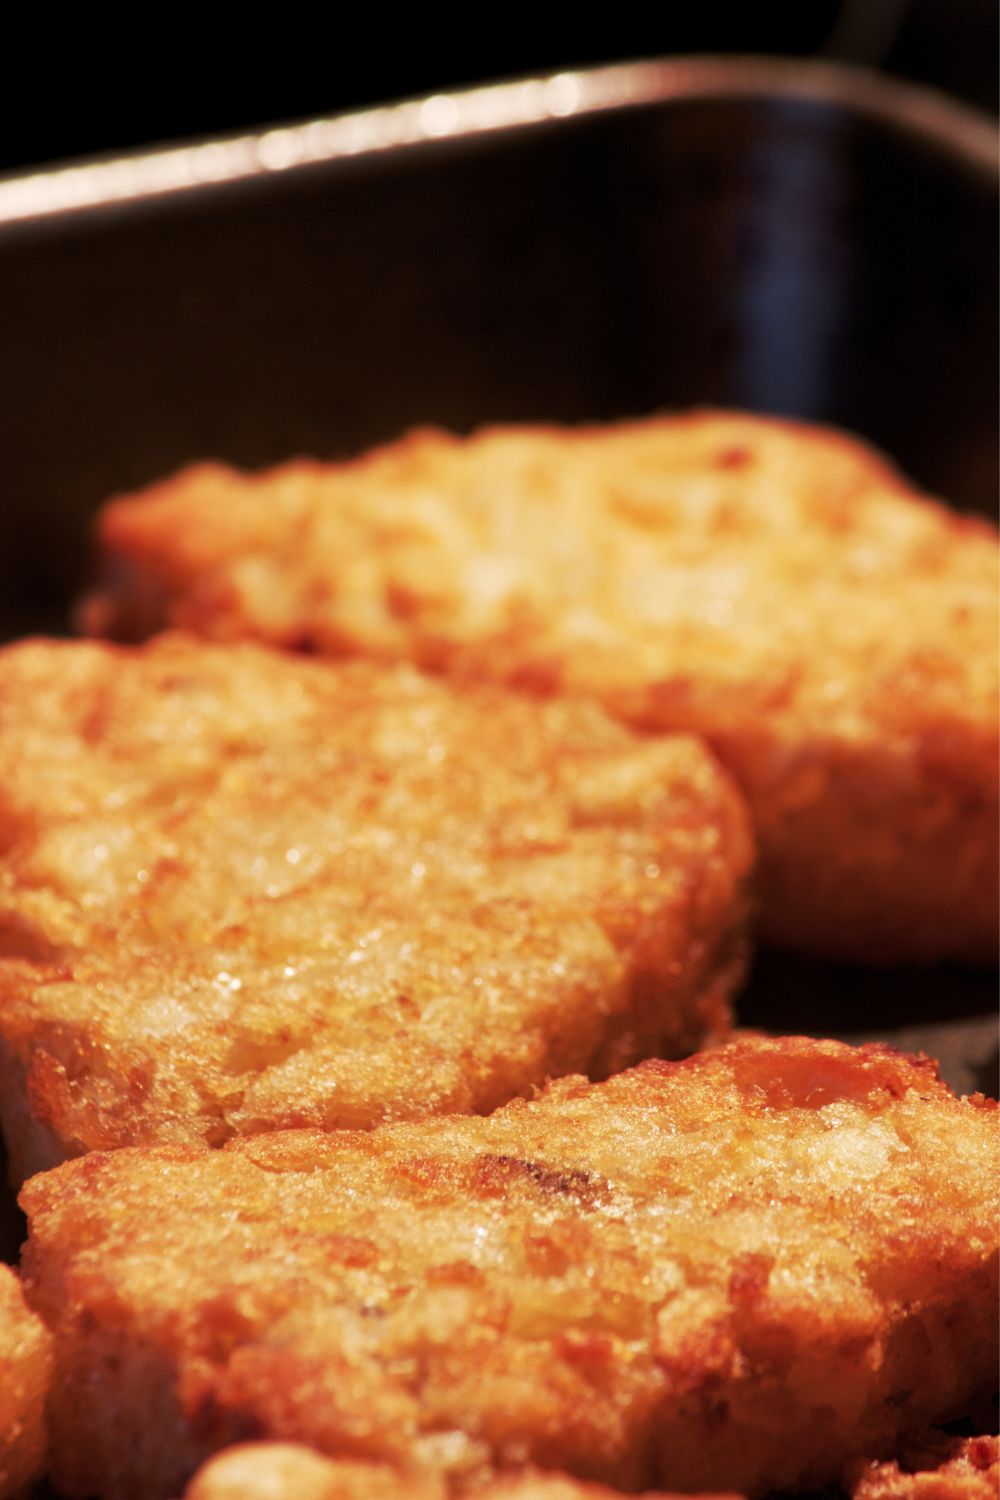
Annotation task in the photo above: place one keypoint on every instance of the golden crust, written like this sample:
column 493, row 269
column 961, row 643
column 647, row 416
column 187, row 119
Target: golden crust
column 285, row 1471
column 25, row 1364
column 774, row 587
column 738, row 1272
column 940, row 1468
column 241, row 891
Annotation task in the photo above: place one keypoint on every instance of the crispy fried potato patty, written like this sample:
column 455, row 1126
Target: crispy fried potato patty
column 776, row 588
column 286, row 1471
column 24, row 1375
column 735, row 1272
column 239, row 890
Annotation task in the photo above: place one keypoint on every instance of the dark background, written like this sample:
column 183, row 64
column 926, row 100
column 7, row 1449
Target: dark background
column 75, row 88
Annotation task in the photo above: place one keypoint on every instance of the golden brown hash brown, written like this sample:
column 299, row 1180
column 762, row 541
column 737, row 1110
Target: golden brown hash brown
column 241, row 891
column 774, row 587
column 286, row 1471
column 941, row 1468
column 25, row 1362
column 737, row 1272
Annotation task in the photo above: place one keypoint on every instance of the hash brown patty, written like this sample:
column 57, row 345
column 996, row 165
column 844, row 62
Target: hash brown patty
column 24, row 1375
column 775, row 587
column 737, row 1272
column 240, row 891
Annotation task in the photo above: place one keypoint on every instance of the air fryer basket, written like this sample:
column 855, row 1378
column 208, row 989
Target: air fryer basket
column 782, row 237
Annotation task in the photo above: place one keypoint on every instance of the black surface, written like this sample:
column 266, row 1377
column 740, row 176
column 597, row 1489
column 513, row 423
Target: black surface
column 95, row 88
